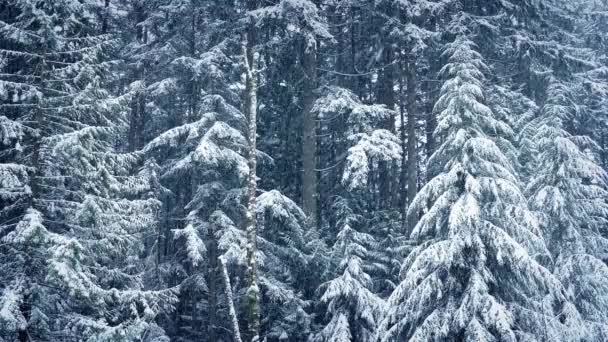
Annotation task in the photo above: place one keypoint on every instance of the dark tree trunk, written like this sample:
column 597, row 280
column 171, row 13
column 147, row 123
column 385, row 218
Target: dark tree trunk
column 212, row 284
column 386, row 96
column 309, row 132
column 412, row 153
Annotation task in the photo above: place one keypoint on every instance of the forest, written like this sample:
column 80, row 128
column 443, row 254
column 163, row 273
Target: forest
column 303, row 170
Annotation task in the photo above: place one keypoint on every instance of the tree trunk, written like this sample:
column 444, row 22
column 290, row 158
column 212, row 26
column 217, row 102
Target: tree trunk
column 412, row 157
column 309, row 134
column 386, row 96
column 253, row 291
column 194, row 88
column 212, row 273
column 231, row 311
column 403, row 139
column 106, row 15
column 142, row 117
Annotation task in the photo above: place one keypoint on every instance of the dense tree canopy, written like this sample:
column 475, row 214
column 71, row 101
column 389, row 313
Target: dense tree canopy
column 303, row 170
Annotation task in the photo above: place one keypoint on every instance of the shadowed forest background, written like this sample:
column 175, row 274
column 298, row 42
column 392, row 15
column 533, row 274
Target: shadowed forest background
column 303, row 170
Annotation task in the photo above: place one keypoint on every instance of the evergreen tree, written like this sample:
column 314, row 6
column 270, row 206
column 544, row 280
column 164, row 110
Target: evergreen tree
column 569, row 193
column 352, row 307
column 78, row 239
column 211, row 153
column 469, row 238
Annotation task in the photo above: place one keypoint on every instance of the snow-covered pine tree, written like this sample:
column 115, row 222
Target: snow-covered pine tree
column 104, row 266
column 76, row 250
column 211, row 153
column 34, row 48
column 369, row 148
column 193, row 129
column 594, row 95
column 360, row 268
column 364, row 146
column 172, row 61
column 474, row 275
column 352, row 308
column 284, row 243
column 568, row 190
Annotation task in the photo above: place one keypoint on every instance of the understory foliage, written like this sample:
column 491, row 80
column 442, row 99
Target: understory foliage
column 347, row 170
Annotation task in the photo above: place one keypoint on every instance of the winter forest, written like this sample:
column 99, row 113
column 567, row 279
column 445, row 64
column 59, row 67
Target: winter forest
column 303, row 170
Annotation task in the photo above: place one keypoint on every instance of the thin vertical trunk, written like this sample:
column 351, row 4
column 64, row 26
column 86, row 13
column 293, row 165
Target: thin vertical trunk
column 356, row 83
column 253, row 291
column 604, row 149
column 212, row 280
column 39, row 125
column 106, row 15
column 285, row 162
column 143, row 117
column 193, row 82
column 231, row 311
column 386, row 92
column 431, row 123
column 386, row 96
column 154, row 243
column 337, row 20
column 431, row 90
column 133, row 119
column 309, row 134
column 403, row 139
column 412, row 157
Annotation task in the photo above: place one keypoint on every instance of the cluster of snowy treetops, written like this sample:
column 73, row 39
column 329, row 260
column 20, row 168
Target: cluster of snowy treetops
column 303, row 170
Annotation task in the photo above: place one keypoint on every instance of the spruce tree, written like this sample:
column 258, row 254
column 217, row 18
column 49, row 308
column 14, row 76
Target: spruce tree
column 76, row 247
column 569, row 191
column 474, row 274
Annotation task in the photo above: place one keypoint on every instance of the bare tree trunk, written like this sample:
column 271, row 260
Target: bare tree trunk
column 106, row 15
column 137, row 118
column 194, row 89
column 431, row 121
column 253, row 290
column 212, row 281
column 403, row 140
column 604, row 149
column 309, row 134
column 430, row 129
column 386, row 96
column 232, row 312
column 143, row 117
column 412, row 157
column 342, row 47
